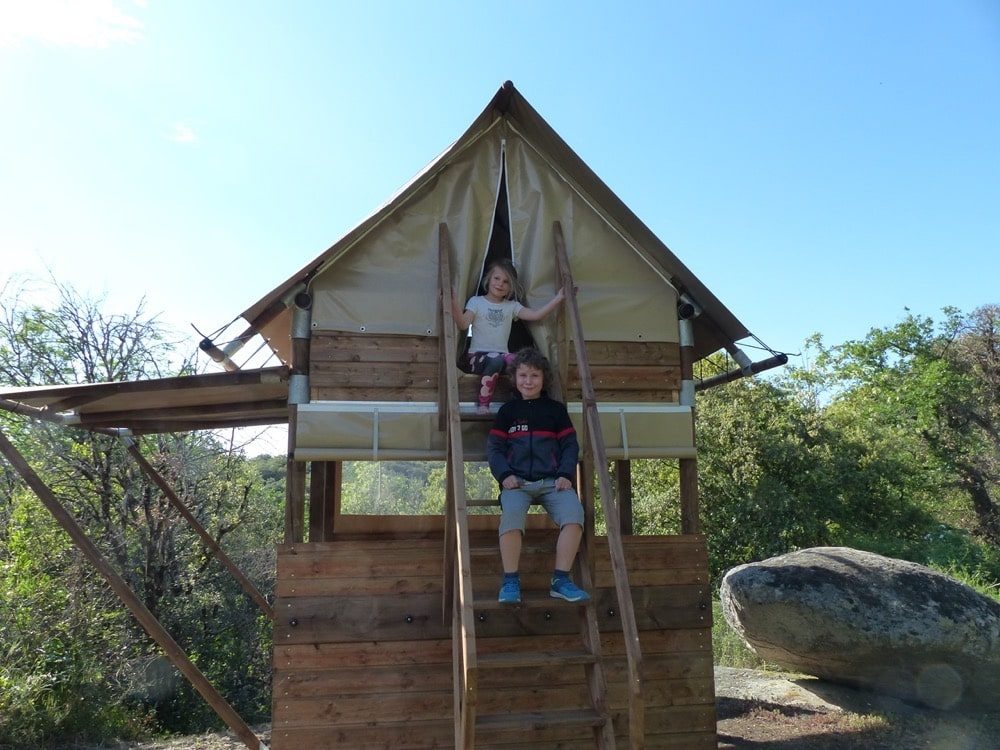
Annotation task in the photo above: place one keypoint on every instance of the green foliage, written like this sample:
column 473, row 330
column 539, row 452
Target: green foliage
column 728, row 647
column 888, row 444
column 655, row 496
column 58, row 624
column 776, row 476
column 407, row 487
column 75, row 664
column 386, row 488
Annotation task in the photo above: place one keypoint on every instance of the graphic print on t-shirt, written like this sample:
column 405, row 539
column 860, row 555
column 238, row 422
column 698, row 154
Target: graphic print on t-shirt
column 494, row 315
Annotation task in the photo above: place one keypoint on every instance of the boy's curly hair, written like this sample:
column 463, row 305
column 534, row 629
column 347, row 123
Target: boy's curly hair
column 531, row 357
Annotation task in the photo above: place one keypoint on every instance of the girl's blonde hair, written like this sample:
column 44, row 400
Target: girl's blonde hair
column 516, row 289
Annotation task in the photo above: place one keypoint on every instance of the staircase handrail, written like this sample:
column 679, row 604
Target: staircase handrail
column 630, row 630
column 456, row 536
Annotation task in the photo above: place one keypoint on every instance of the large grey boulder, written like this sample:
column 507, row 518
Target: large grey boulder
column 870, row 621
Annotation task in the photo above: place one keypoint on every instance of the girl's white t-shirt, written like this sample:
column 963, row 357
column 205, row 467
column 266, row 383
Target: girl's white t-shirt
column 492, row 322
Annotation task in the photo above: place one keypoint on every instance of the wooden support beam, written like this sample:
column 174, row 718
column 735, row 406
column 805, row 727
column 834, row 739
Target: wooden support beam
column 324, row 498
column 205, row 537
column 690, row 521
column 317, row 499
column 146, row 618
column 114, row 418
column 623, row 485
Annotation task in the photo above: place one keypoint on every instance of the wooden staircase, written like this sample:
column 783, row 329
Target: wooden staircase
column 466, row 604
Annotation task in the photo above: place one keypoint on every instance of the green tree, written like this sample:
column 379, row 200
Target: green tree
column 776, row 474
column 933, row 392
column 134, row 525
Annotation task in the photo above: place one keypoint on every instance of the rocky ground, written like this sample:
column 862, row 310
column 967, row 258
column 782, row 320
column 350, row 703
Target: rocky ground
column 761, row 710
column 770, row 711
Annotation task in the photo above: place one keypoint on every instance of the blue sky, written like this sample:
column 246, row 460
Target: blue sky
column 821, row 167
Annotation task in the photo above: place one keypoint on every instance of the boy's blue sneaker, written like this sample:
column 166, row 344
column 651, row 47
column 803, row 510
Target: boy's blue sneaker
column 510, row 591
column 564, row 588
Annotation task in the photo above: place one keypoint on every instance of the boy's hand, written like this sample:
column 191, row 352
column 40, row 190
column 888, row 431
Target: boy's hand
column 511, row 483
column 562, row 483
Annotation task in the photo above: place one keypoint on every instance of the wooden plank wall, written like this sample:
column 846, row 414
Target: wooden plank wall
column 629, row 371
column 363, row 367
column 362, row 659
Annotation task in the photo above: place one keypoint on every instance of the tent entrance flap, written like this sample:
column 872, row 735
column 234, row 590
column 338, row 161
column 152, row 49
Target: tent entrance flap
column 500, row 248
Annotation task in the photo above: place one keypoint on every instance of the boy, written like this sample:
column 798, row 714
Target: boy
column 532, row 451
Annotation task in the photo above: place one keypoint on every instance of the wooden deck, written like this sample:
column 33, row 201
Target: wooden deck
column 362, row 659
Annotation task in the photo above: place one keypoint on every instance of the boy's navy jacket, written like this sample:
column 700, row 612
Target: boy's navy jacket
column 533, row 440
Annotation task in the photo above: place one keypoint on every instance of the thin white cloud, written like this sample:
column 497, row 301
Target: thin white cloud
column 182, row 133
column 68, row 23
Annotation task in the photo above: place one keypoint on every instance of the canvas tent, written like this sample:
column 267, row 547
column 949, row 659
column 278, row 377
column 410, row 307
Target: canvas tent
column 545, row 181
column 510, row 173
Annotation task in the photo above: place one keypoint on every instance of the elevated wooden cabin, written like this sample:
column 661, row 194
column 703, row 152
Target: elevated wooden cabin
column 386, row 628
column 387, row 632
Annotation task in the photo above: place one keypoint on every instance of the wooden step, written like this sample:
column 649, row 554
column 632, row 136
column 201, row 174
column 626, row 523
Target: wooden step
column 535, row 659
column 533, row 720
column 529, row 600
column 485, row 502
column 473, row 416
column 527, row 548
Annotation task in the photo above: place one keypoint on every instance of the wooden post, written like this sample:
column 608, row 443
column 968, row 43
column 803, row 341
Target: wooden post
column 690, row 523
column 295, row 485
column 334, row 486
column 623, row 485
column 324, row 498
column 146, row 618
column 205, row 537
column 317, row 500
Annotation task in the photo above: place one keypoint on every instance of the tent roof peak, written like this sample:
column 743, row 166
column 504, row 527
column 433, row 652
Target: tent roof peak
column 717, row 327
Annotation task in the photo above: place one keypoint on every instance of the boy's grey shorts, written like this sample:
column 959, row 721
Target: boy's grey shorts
column 563, row 506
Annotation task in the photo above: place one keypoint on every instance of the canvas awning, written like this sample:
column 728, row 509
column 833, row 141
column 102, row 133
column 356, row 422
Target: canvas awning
column 176, row 404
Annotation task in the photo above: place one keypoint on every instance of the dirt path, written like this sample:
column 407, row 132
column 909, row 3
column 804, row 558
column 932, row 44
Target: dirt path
column 761, row 710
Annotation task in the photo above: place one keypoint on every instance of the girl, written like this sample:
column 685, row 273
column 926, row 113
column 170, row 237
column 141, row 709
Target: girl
column 491, row 316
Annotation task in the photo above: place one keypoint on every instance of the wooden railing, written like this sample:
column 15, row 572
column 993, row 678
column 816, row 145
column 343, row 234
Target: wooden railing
column 592, row 430
column 458, row 584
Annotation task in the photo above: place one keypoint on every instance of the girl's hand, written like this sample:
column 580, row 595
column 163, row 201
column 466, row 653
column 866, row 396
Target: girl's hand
column 511, row 483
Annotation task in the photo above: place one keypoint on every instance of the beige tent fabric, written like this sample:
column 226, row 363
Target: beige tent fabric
column 510, row 111
column 394, row 431
column 387, row 282
column 620, row 296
